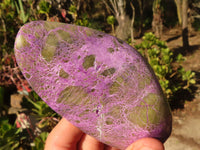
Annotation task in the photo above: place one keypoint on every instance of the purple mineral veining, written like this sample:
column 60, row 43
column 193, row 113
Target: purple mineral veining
column 99, row 83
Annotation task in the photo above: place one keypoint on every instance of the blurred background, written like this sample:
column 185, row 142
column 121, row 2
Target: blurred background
column 165, row 32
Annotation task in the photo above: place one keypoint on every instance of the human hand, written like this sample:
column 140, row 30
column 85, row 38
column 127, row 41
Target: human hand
column 66, row 136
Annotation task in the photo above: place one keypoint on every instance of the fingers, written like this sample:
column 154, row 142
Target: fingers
column 88, row 142
column 109, row 148
column 64, row 136
column 146, row 144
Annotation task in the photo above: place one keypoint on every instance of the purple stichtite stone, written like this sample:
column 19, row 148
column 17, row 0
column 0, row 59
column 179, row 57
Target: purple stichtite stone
column 96, row 81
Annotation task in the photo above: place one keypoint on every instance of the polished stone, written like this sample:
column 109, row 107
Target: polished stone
column 96, row 81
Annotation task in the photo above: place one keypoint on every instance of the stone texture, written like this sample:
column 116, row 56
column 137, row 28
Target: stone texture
column 96, row 81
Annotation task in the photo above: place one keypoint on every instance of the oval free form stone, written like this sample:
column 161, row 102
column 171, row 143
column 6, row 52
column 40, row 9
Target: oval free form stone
column 96, row 81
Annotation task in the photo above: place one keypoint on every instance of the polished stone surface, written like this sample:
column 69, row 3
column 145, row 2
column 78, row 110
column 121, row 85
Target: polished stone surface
column 96, row 81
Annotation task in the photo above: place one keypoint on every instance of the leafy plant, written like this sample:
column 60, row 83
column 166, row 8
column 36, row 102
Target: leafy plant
column 84, row 21
column 21, row 12
column 39, row 141
column 87, row 22
column 188, row 77
column 44, row 8
column 111, row 21
column 172, row 78
column 9, row 135
column 46, row 117
column 8, row 26
column 72, row 9
column 24, row 134
column 39, row 107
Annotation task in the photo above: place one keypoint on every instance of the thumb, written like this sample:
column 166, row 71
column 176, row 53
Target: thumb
column 146, row 144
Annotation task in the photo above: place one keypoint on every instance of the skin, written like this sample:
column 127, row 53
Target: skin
column 66, row 136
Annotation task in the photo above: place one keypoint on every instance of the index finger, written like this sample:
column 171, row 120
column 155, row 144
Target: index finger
column 64, row 136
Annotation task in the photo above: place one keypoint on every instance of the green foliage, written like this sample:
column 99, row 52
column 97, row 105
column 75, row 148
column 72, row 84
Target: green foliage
column 20, row 10
column 180, row 58
column 87, row 22
column 7, row 3
column 44, row 8
column 45, row 115
column 7, row 26
column 9, row 135
column 84, row 21
column 39, row 107
column 172, row 78
column 72, row 9
column 111, row 20
column 39, row 141
column 187, row 76
column 32, row 136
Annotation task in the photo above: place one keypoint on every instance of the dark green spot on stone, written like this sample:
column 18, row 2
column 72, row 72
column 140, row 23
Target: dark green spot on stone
column 109, row 121
column 151, row 99
column 138, row 116
column 49, row 49
column 84, row 113
column 77, row 121
column 65, row 36
column 114, row 88
column 111, row 50
column 37, row 35
column 116, row 85
column 144, row 116
column 109, row 71
column 88, row 61
column 52, row 39
column 27, row 75
column 73, row 95
column 115, row 112
column 92, row 90
column 153, row 117
column 49, row 26
column 48, row 53
column 21, row 42
column 73, row 28
column 89, row 32
column 63, row 74
column 99, row 35
column 143, row 81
